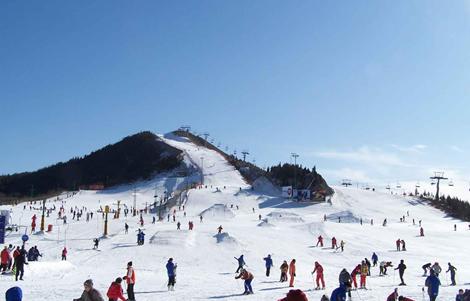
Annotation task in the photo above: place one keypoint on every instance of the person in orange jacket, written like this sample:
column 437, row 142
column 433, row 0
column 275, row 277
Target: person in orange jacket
column 292, row 272
column 115, row 291
column 320, row 279
column 5, row 258
column 248, row 278
column 130, row 280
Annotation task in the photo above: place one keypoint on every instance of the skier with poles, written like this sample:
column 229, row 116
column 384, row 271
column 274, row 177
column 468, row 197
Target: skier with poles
column 319, row 279
column 241, row 263
column 248, row 278
column 452, row 270
column 401, row 271
column 268, row 263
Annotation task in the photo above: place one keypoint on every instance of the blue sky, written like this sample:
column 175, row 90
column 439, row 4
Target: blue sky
column 369, row 90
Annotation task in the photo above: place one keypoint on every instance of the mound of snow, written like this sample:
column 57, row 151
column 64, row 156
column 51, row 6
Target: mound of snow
column 50, row 268
column 285, row 216
column 265, row 223
column 225, row 238
column 218, row 211
column 264, row 186
column 346, row 217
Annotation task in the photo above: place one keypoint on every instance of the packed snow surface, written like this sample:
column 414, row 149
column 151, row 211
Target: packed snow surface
column 206, row 263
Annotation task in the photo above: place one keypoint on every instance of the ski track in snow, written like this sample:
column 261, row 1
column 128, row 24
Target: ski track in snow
column 206, row 266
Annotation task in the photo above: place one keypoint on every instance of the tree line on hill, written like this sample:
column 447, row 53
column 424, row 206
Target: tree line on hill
column 133, row 158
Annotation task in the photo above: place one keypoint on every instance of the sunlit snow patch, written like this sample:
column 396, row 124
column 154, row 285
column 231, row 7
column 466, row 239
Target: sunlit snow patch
column 218, row 211
column 285, row 216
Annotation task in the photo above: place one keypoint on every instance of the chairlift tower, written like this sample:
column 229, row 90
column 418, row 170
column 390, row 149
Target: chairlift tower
column 438, row 176
column 245, row 153
column 295, row 156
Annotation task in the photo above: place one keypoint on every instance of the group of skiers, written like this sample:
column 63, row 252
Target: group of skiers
column 334, row 243
column 14, row 260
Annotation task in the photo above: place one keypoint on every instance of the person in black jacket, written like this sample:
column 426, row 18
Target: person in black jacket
column 20, row 261
column 401, row 271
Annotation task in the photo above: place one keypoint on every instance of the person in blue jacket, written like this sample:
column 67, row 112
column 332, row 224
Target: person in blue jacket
column 375, row 259
column 339, row 294
column 14, row 294
column 433, row 283
column 269, row 263
column 241, row 263
column 171, row 271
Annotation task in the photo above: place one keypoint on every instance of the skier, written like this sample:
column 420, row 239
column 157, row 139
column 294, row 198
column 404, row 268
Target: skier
column 401, row 271
column 219, row 229
column 436, row 268
column 355, row 271
column 364, row 271
column 130, row 281
column 384, row 222
column 171, row 272
column 452, row 270
column 96, row 242
column 320, row 241
column 425, row 268
column 433, row 283
column 368, row 266
column 241, row 263
column 341, row 246
column 115, row 291
column 421, row 231
column 403, row 246
column 89, row 293
column 268, row 263
column 126, row 228
column 333, row 243
column 178, row 226
column 248, row 278
column 393, row 296
column 398, row 243
column 20, row 261
column 375, row 259
column 292, row 273
column 455, row 227
column 319, row 279
column 64, row 254
column 383, row 267
column 284, row 268
column 14, row 294
column 200, row 218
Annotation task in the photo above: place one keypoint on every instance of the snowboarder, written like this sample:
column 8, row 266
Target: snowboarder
column 320, row 241
column 130, row 281
column 333, row 243
column 425, row 268
column 248, row 278
column 375, row 259
column 268, row 263
column 401, row 271
column 452, row 270
column 292, row 273
column 64, row 254
column 115, row 291
column 319, row 279
column 284, row 268
column 241, row 263
column 171, row 272
column 89, row 293
column 433, row 283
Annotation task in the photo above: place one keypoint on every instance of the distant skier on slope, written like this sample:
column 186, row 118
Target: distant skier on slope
column 320, row 241
column 171, row 272
column 334, row 243
column 375, row 259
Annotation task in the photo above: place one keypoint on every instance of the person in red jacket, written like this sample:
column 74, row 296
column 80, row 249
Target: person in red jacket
column 295, row 295
column 320, row 241
column 5, row 258
column 115, row 291
column 319, row 269
column 401, row 298
column 357, row 270
column 64, row 254
column 393, row 296
column 292, row 273
column 333, row 243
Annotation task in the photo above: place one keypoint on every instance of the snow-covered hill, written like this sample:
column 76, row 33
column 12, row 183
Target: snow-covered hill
column 206, row 263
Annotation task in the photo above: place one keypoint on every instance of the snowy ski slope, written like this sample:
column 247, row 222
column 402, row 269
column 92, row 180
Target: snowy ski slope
column 205, row 262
